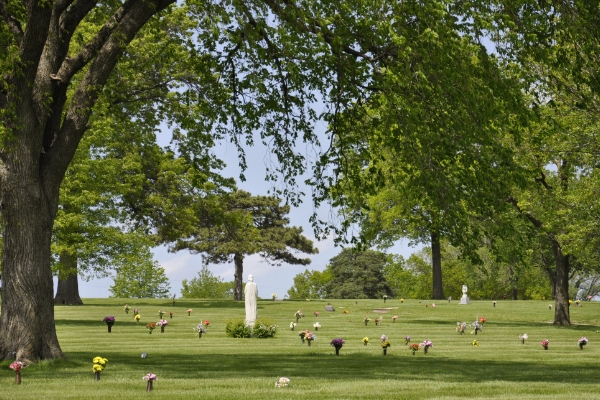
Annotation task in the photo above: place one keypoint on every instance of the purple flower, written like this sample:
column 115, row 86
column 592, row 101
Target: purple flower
column 109, row 320
column 337, row 343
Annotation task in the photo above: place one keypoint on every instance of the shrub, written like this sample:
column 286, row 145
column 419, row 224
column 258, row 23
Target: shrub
column 236, row 328
column 264, row 328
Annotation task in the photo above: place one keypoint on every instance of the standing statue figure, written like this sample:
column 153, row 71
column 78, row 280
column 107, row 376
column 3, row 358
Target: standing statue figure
column 464, row 299
column 251, row 293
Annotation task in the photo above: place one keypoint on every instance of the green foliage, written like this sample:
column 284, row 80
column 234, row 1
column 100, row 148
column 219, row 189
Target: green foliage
column 357, row 274
column 264, row 328
column 140, row 277
column 206, row 286
column 236, row 328
column 310, row 285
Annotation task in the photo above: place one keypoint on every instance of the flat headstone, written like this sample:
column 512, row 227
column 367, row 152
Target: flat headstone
column 329, row 308
column 381, row 310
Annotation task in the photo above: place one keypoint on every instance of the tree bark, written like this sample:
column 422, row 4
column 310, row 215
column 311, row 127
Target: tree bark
column 436, row 260
column 67, row 291
column 238, row 259
column 561, row 309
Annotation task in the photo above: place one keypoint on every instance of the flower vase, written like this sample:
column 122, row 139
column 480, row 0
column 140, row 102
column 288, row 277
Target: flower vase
column 97, row 376
column 199, row 335
column 171, row 316
column 337, row 351
column 425, row 349
column 376, row 323
column 316, row 328
column 150, row 331
column 545, row 347
column 522, row 341
column 162, row 329
column 365, row 343
column 475, row 332
column 302, row 339
column 18, row 378
column 126, row 311
column 292, row 327
column 109, row 328
column 309, row 342
column 189, row 314
column 297, row 319
column 581, row 346
column 366, row 323
column 385, row 352
column 138, row 321
column 384, row 300
column 149, row 386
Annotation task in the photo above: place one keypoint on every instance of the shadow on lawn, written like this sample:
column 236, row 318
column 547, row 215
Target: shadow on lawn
column 352, row 367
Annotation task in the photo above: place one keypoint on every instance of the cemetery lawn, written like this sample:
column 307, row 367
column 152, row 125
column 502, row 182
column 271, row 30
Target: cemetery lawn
column 218, row 367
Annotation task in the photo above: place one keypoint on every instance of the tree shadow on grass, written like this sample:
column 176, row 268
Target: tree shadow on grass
column 352, row 366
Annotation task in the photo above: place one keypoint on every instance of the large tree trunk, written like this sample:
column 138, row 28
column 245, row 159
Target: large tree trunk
column 27, row 318
column 561, row 309
column 67, row 291
column 436, row 260
column 238, row 259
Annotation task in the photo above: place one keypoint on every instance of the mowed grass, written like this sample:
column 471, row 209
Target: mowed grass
column 218, row 367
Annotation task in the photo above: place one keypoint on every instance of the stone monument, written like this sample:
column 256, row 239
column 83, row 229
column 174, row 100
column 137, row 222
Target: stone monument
column 251, row 293
column 464, row 299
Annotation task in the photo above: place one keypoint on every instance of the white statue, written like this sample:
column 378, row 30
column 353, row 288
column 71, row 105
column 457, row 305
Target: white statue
column 464, row 299
column 251, row 293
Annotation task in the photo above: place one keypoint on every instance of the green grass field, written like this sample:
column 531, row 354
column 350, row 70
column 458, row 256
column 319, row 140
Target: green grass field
column 217, row 367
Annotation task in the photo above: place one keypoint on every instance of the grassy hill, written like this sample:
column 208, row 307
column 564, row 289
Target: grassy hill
column 218, row 367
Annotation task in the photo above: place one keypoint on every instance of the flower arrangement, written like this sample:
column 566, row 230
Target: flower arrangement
column 162, row 323
column 200, row 329
column 494, row 303
column 137, row 318
column 126, row 308
column 316, row 325
column 432, row 305
column 549, row 306
column 310, row 337
column 302, row 334
column 582, row 342
column 189, row 311
column 402, row 300
column 298, row 314
column 523, row 337
column 160, row 313
column 578, row 302
column 135, row 312
column 150, row 326
column 365, row 340
column 366, row 320
column 316, row 314
column 426, row 345
column 406, row 340
column 206, row 322
column 476, row 327
column 413, row 348
column 384, row 346
column 394, row 318
column 16, row 366
column 99, row 365
column 282, row 382
column 378, row 320
column 171, row 314
column 345, row 311
column 110, row 321
column 383, row 338
column 570, row 301
column 150, row 378
column 545, row 343
column 474, row 343
column 482, row 320
column 384, row 298
column 274, row 296
column 337, row 343
column 292, row 325
column 461, row 327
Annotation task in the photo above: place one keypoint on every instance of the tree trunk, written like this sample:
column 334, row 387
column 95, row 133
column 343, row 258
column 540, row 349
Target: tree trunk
column 67, row 291
column 27, row 317
column 436, row 259
column 561, row 309
column 238, row 259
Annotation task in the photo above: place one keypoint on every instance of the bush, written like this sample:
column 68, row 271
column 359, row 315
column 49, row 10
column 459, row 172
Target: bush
column 236, row 328
column 264, row 328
